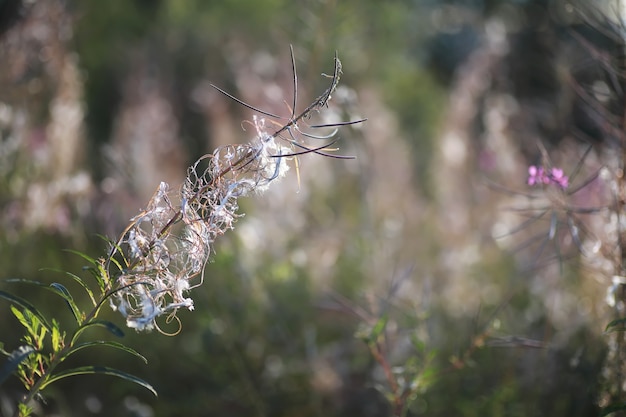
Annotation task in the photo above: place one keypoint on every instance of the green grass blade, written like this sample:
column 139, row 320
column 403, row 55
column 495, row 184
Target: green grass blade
column 98, row 370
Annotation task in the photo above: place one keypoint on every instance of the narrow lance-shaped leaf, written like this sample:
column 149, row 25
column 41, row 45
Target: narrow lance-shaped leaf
column 104, row 276
column 115, row 249
column 57, row 289
column 95, row 269
column 36, row 331
column 76, row 278
column 65, row 294
column 114, row 345
column 15, row 358
column 83, row 255
column 41, row 336
column 112, row 328
column 57, row 337
column 19, row 315
column 95, row 370
column 82, row 283
column 616, row 325
column 25, row 305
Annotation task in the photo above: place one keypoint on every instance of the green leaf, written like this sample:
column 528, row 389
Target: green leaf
column 25, row 410
column 97, row 270
column 76, row 278
column 115, row 249
column 20, row 317
column 41, row 336
column 115, row 345
column 103, row 277
column 65, row 294
column 378, row 328
column 15, row 358
column 96, row 274
column 25, row 305
column 418, row 345
column 118, row 264
column 423, row 380
column 98, row 370
column 82, row 255
column 613, row 325
column 84, row 285
column 57, row 289
column 370, row 333
column 112, row 328
column 56, row 336
column 36, row 332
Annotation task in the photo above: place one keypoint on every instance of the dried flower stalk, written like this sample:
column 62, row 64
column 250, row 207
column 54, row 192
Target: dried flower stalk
column 151, row 266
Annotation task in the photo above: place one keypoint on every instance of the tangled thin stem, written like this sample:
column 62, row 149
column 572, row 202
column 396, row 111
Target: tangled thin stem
column 169, row 243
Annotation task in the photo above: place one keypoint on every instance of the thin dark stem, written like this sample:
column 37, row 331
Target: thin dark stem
column 243, row 103
column 295, row 82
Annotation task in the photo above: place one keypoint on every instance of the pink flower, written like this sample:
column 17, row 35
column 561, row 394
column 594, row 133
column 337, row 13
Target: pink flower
column 556, row 176
column 535, row 175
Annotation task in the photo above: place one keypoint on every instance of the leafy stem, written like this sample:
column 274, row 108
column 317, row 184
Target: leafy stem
column 37, row 366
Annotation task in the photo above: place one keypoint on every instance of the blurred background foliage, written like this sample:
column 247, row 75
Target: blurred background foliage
column 100, row 101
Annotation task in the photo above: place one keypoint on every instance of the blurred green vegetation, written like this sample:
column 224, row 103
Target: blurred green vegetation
column 268, row 336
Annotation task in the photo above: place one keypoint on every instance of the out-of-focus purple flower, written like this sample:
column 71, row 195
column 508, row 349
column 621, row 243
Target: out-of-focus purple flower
column 556, row 176
column 535, row 175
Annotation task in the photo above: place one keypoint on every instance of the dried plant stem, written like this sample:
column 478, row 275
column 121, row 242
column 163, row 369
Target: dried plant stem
column 154, row 262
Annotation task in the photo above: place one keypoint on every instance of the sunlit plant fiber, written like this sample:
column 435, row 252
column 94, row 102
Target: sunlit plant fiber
column 155, row 260
column 148, row 272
